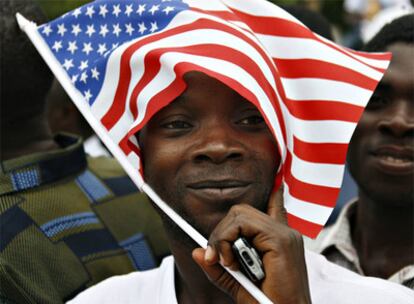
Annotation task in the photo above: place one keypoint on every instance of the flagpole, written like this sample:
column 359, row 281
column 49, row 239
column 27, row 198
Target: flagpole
column 30, row 28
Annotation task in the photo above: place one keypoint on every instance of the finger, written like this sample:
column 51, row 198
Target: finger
column 223, row 280
column 275, row 207
column 227, row 257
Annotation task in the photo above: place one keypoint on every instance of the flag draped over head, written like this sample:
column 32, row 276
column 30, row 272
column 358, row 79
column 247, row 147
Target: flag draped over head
column 128, row 57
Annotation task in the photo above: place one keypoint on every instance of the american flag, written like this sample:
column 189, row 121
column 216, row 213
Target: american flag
column 127, row 58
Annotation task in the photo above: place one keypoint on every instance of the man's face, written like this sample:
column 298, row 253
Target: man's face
column 381, row 152
column 208, row 150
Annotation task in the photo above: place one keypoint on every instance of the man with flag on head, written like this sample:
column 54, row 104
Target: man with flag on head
column 216, row 104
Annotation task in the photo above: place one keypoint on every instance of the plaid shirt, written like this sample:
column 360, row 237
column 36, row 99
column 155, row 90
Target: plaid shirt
column 335, row 243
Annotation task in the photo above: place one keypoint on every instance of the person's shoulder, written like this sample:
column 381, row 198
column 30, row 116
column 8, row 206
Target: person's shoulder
column 331, row 283
column 110, row 172
column 105, row 167
column 135, row 287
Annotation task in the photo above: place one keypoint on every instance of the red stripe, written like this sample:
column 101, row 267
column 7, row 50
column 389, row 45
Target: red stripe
column 386, row 56
column 225, row 15
column 303, row 226
column 309, row 68
column 127, row 146
column 324, row 110
column 322, row 195
column 327, row 153
column 285, row 28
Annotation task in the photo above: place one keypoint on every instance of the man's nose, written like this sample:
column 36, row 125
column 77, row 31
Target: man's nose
column 399, row 121
column 218, row 145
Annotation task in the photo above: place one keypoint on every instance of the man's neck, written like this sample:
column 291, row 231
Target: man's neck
column 191, row 284
column 19, row 139
column 383, row 236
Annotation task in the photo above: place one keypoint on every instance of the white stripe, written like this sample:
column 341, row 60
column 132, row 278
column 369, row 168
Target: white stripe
column 327, row 175
column 378, row 63
column 104, row 99
column 305, row 48
column 133, row 160
column 260, row 8
column 318, row 131
column 169, row 60
column 210, row 5
column 324, row 89
column 305, row 210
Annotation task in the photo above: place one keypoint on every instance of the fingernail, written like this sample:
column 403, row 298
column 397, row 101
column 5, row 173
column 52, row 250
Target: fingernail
column 222, row 260
column 209, row 254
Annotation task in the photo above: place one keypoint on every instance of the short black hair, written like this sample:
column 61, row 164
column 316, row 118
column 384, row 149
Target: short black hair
column 399, row 30
column 316, row 22
column 25, row 78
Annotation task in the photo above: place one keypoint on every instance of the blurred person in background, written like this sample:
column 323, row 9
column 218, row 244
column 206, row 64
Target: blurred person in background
column 374, row 235
column 63, row 116
column 67, row 221
column 360, row 13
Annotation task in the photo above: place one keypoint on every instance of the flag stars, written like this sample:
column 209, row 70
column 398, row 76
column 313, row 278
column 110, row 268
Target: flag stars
column 115, row 45
column 129, row 29
column 141, row 9
column 87, row 94
column 116, row 10
column 83, row 65
column 103, row 10
column 87, row 48
column 90, row 11
column 95, row 73
column 77, row 12
column 90, row 30
column 68, row 64
column 72, row 47
column 154, row 8
column 154, row 27
column 128, row 10
column 47, row 30
column 84, row 77
column 61, row 29
column 76, row 29
column 102, row 49
column 104, row 30
column 57, row 45
column 168, row 10
column 74, row 78
column 116, row 30
column 142, row 28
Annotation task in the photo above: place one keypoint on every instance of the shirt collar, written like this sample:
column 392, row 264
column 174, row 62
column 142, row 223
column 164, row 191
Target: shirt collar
column 37, row 169
column 339, row 236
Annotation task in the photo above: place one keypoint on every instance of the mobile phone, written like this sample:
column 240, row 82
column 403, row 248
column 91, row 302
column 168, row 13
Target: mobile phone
column 249, row 259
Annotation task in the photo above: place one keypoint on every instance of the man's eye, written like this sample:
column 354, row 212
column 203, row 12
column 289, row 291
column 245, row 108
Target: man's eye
column 176, row 124
column 251, row 120
column 377, row 102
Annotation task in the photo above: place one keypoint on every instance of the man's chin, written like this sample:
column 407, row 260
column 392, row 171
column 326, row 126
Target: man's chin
column 203, row 223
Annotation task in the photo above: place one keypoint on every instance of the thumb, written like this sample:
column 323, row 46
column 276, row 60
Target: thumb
column 221, row 278
column 276, row 208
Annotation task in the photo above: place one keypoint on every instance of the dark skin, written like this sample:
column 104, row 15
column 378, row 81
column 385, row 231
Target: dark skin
column 381, row 157
column 62, row 114
column 20, row 138
column 210, row 155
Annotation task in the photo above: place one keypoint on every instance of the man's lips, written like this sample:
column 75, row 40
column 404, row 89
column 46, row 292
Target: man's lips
column 219, row 190
column 394, row 159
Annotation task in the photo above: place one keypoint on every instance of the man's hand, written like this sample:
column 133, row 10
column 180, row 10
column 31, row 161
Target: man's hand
column 281, row 249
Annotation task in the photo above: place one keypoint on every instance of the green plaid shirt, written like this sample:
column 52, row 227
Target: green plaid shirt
column 68, row 221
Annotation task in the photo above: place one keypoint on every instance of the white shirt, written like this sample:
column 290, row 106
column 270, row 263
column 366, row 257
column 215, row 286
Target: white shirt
column 328, row 282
